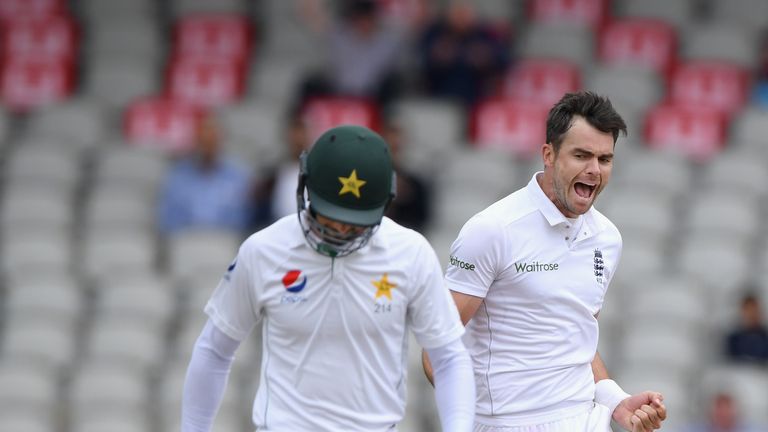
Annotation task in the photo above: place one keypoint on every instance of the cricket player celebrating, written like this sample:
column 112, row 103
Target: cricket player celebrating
column 337, row 288
column 531, row 272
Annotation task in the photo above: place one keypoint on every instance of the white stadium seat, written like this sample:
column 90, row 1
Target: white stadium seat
column 201, row 253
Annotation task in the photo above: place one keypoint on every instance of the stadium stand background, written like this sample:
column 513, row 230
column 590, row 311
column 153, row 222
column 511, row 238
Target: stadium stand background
column 99, row 312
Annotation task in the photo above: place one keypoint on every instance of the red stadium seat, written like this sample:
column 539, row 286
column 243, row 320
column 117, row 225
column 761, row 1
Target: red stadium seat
column 541, row 81
column 697, row 132
column 510, row 125
column 218, row 36
column 638, row 41
column 587, row 12
column 205, row 82
column 15, row 9
column 168, row 124
column 32, row 82
column 321, row 114
column 724, row 86
column 51, row 37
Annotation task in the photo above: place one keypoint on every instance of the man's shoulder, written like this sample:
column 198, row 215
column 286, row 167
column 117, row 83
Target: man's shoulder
column 506, row 218
column 393, row 230
column 283, row 232
column 507, row 211
column 404, row 243
column 610, row 228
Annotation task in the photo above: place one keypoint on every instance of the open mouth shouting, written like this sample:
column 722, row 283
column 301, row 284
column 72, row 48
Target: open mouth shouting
column 585, row 190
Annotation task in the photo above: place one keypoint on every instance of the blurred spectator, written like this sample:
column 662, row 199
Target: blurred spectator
column 411, row 207
column 362, row 53
column 749, row 340
column 277, row 191
column 463, row 58
column 205, row 189
column 723, row 417
column 760, row 89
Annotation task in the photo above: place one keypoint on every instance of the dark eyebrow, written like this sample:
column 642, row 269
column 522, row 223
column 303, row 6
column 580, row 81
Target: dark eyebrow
column 590, row 153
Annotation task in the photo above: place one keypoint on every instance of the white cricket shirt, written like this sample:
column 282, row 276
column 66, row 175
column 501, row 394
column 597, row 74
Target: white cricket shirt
column 543, row 279
column 334, row 333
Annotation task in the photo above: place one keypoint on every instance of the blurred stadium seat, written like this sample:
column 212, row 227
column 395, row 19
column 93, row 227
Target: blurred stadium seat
column 716, row 84
column 253, row 132
column 115, row 81
column 323, row 113
column 78, row 125
column 432, row 129
column 724, row 216
column 723, row 42
column 752, row 181
column 103, row 391
column 641, row 213
column 51, row 36
column 590, row 13
column 749, row 128
column 636, row 89
column 31, row 82
column 130, row 168
column 15, row 421
column 167, row 124
column 137, row 39
column 184, row 7
column 205, row 82
column 219, row 36
column 26, row 389
column 698, row 132
column 639, row 42
column 108, row 252
column 744, row 13
column 50, row 300
column 680, row 13
column 542, row 81
column 558, row 41
column 196, row 253
column 508, row 125
column 49, row 346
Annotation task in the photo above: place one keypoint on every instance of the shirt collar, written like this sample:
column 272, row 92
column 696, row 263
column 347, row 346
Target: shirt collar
column 297, row 239
column 552, row 214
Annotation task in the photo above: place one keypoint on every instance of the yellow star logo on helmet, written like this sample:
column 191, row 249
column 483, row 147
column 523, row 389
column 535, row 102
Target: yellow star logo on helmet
column 351, row 184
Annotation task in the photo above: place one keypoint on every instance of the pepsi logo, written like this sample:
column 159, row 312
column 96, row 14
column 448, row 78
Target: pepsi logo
column 294, row 281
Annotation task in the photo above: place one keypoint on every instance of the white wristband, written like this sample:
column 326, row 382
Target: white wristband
column 609, row 394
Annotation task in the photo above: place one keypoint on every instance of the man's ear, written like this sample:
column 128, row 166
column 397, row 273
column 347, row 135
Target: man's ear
column 548, row 154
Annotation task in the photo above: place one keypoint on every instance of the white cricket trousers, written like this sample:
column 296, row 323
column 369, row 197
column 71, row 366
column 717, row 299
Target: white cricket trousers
column 595, row 419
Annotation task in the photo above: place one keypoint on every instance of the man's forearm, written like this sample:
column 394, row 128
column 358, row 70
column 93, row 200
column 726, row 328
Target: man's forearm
column 598, row 368
column 454, row 386
column 206, row 379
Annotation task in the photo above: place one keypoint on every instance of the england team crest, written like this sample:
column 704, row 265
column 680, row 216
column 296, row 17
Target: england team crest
column 599, row 265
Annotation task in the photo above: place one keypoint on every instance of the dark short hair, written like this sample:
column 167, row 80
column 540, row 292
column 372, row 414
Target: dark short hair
column 595, row 109
column 750, row 297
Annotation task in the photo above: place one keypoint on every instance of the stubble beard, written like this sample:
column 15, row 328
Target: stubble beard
column 561, row 194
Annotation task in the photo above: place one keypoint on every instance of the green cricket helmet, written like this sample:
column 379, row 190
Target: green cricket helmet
column 349, row 178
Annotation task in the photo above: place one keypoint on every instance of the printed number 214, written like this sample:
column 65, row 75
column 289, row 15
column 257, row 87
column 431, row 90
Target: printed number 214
column 382, row 308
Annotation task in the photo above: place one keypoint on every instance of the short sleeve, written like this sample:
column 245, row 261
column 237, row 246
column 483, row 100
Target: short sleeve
column 475, row 255
column 233, row 307
column 432, row 314
column 616, row 262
